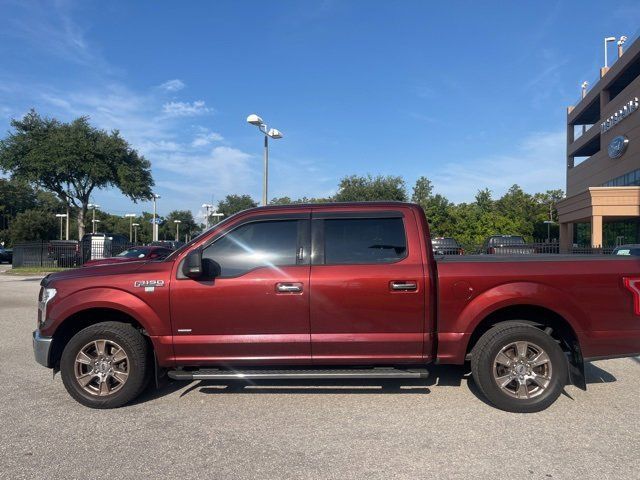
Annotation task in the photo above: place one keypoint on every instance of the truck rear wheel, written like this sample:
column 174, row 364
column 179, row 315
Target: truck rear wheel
column 519, row 368
column 105, row 365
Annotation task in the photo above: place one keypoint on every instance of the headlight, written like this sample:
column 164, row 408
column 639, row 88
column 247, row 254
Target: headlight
column 45, row 297
column 47, row 294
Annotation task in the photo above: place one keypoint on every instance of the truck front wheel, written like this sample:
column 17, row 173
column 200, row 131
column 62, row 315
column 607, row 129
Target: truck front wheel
column 105, row 365
column 519, row 368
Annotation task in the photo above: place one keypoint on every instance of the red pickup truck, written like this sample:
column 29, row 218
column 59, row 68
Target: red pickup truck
column 336, row 291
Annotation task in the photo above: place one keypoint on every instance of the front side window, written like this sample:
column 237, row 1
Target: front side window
column 364, row 240
column 253, row 245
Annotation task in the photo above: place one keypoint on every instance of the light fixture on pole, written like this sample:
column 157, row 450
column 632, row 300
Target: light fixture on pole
column 584, row 85
column 61, row 216
column 93, row 206
column 255, row 120
column 218, row 216
column 130, row 216
column 94, row 222
column 606, row 41
column 177, row 222
column 621, row 42
column 155, row 224
column 208, row 207
column 135, row 232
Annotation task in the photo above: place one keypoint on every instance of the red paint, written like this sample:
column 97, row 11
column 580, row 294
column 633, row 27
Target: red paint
column 348, row 314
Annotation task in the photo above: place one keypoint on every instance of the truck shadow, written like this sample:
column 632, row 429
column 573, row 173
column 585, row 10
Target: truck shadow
column 439, row 375
column 448, row 375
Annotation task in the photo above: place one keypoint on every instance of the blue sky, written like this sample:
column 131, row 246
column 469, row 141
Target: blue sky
column 469, row 94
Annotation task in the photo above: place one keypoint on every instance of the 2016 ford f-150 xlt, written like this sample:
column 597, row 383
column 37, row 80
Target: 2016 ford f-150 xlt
column 336, row 291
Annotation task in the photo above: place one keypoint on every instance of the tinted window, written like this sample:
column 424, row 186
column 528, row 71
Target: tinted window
column 253, row 245
column 374, row 240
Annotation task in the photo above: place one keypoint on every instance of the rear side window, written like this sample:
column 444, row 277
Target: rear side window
column 254, row 245
column 364, row 240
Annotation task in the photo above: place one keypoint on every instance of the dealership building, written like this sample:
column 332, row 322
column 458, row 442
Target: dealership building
column 602, row 207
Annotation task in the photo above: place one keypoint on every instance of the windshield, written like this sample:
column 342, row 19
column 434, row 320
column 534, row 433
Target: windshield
column 199, row 237
column 134, row 253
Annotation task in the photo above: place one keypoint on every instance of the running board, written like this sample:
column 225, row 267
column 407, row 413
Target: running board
column 302, row 374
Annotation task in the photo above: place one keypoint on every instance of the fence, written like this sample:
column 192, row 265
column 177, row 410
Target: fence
column 61, row 253
column 539, row 248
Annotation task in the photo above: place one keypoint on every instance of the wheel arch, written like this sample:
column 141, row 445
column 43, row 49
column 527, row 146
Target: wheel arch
column 546, row 319
column 85, row 318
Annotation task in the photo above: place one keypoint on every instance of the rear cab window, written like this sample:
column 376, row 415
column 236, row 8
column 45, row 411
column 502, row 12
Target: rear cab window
column 364, row 240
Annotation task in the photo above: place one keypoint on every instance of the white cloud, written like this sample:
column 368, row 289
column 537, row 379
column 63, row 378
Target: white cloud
column 205, row 138
column 173, row 85
column 537, row 164
column 185, row 109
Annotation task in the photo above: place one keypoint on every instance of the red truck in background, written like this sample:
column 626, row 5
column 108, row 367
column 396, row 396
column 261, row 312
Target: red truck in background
column 336, row 291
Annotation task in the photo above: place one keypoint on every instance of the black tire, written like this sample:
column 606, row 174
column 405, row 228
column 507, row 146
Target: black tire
column 483, row 362
column 138, row 363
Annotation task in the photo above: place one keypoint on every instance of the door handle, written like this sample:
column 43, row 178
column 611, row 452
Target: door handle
column 288, row 287
column 404, row 285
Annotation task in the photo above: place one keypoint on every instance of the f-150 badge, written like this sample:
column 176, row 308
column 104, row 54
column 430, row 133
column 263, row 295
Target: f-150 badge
column 149, row 285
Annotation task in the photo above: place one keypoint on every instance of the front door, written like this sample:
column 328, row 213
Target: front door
column 255, row 307
column 367, row 288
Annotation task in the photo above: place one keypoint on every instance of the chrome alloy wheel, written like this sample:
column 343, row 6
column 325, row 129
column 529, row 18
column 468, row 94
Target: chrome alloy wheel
column 101, row 367
column 522, row 370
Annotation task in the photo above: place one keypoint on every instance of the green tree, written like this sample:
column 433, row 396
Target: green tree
column 282, row 201
column 233, row 204
column 436, row 207
column 73, row 159
column 188, row 226
column 365, row 189
column 33, row 225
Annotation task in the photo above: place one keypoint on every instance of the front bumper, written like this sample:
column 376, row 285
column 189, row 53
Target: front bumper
column 41, row 348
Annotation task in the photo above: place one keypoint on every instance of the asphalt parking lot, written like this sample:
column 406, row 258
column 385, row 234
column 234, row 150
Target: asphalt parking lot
column 433, row 429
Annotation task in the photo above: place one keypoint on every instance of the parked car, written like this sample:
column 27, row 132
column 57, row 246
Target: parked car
column 507, row 245
column 446, row 246
column 6, row 255
column 96, row 246
column 335, row 291
column 172, row 244
column 133, row 254
column 630, row 249
column 66, row 253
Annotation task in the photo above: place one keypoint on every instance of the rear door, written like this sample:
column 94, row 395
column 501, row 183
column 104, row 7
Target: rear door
column 367, row 287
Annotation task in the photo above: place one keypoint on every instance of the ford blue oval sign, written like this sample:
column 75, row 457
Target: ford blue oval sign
column 617, row 146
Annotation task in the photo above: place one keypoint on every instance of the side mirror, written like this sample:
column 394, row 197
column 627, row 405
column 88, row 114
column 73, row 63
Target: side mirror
column 192, row 265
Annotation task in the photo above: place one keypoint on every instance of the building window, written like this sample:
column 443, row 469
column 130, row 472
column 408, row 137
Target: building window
column 627, row 180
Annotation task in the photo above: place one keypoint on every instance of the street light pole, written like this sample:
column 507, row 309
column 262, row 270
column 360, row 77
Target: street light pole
column 130, row 216
column 155, row 226
column 177, row 222
column 93, row 206
column 607, row 40
column 207, row 207
column 61, row 216
column 255, row 120
column 135, row 232
column 265, row 171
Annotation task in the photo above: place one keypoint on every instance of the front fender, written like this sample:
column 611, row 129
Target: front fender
column 109, row 298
